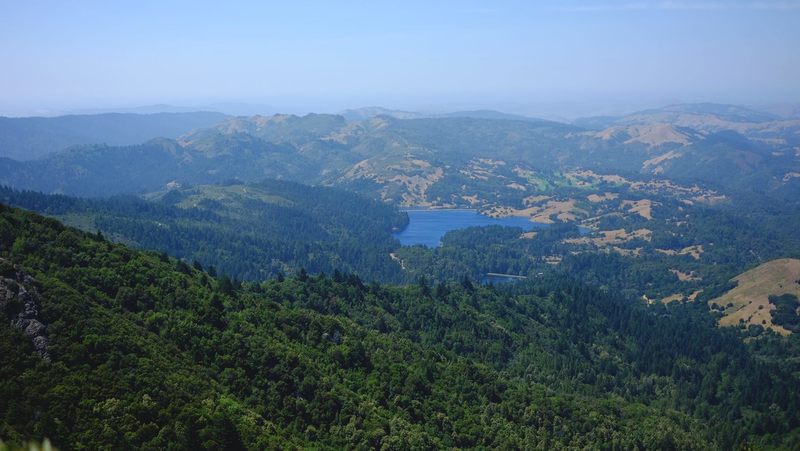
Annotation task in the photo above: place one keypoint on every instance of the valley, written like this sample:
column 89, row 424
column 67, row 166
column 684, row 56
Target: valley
column 503, row 246
column 569, row 177
column 400, row 226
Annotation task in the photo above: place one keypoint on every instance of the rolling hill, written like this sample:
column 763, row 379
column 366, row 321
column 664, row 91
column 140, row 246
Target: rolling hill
column 405, row 160
column 750, row 301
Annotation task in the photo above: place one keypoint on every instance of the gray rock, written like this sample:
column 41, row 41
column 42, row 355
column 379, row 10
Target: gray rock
column 40, row 344
column 22, row 291
column 35, row 328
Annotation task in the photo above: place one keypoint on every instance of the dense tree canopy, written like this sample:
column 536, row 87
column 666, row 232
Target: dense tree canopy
column 149, row 352
column 251, row 231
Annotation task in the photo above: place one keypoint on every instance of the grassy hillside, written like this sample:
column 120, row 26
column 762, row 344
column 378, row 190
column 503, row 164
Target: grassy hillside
column 750, row 301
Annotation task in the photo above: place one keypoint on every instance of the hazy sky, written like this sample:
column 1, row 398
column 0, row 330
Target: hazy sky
column 60, row 55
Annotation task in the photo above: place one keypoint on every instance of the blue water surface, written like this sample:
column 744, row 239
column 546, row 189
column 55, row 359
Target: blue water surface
column 427, row 227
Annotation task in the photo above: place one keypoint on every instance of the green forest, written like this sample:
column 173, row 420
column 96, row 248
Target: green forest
column 144, row 351
column 544, row 225
column 248, row 231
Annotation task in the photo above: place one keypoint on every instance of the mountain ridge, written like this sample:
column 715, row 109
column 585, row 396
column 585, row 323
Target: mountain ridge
column 36, row 137
column 329, row 149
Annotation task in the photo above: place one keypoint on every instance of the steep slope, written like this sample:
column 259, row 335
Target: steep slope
column 149, row 353
column 251, row 231
column 31, row 138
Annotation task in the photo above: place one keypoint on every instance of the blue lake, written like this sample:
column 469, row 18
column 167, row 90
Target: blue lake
column 427, row 227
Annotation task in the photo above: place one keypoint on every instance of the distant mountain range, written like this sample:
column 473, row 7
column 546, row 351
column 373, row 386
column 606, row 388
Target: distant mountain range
column 228, row 108
column 700, row 115
column 30, row 138
column 411, row 161
column 360, row 114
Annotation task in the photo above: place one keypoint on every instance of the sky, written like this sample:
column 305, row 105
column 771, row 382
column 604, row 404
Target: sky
column 565, row 57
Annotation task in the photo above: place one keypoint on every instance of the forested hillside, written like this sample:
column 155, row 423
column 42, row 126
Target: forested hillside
column 673, row 251
column 444, row 225
column 248, row 231
column 143, row 351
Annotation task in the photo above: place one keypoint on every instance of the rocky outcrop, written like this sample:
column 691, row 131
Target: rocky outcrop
column 20, row 301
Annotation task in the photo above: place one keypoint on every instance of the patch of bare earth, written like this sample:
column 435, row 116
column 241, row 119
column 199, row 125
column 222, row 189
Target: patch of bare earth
column 593, row 177
column 597, row 198
column 491, row 162
column 678, row 297
column 709, row 199
column 399, row 260
column 483, row 169
column 605, row 238
column 695, row 251
column 656, row 161
column 412, row 174
column 621, row 236
column 685, row 276
column 643, row 208
column 533, row 200
column 417, row 185
column 672, row 298
column 790, row 175
column 544, row 212
column 473, row 200
column 637, row 252
column 587, row 178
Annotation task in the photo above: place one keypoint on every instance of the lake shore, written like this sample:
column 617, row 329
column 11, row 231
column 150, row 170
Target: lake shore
column 427, row 226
